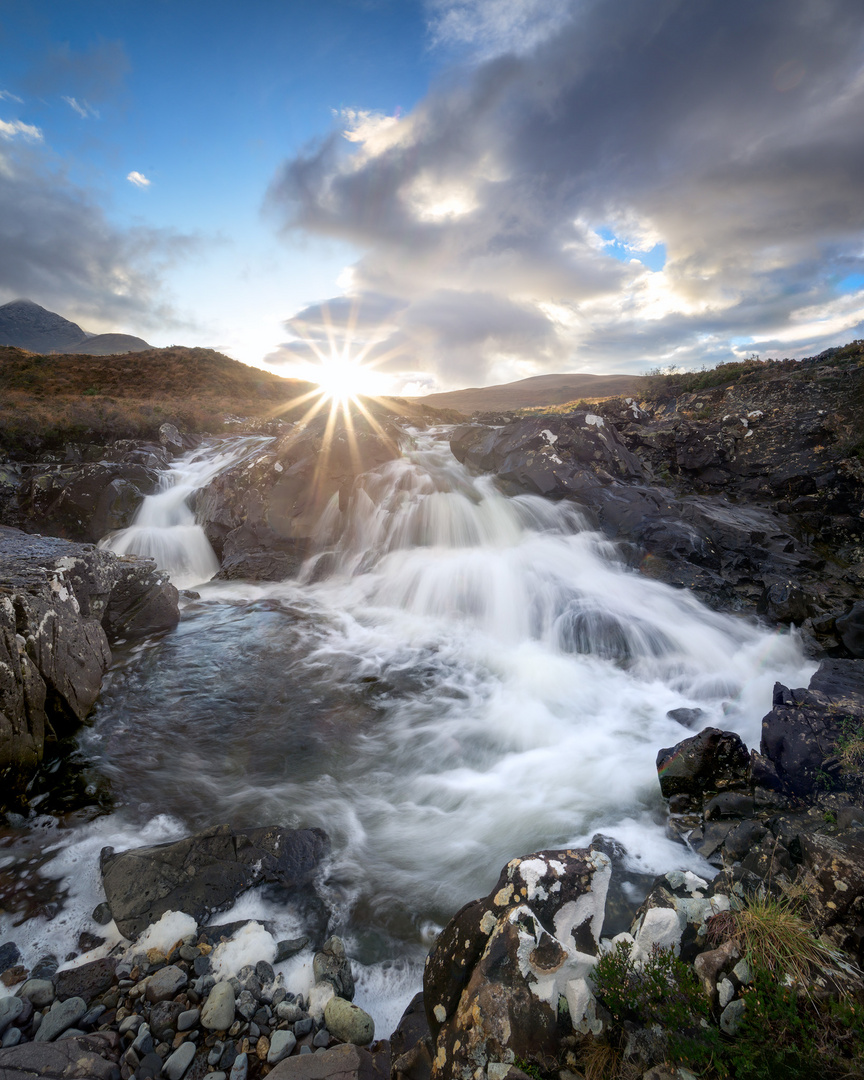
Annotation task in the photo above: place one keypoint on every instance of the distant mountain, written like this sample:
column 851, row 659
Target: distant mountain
column 537, row 391
column 28, row 326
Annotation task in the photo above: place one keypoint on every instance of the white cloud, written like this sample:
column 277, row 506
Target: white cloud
column 138, row 179
column 6, row 95
column 493, row 27
column 83, row 108
column 10, row 129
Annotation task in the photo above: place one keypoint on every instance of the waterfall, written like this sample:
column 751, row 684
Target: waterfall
column 165, row 528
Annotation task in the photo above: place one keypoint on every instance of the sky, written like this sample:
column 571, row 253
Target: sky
column 456, row 192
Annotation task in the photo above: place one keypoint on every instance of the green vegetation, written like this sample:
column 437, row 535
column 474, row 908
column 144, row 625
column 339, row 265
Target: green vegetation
column 785, row 1031
column 850, row 744
column 664, row 991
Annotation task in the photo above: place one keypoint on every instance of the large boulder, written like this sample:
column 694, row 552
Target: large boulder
column 206, row 872
column 59, row 601
column 507, row 977
column 261, row 516
column 806, row 728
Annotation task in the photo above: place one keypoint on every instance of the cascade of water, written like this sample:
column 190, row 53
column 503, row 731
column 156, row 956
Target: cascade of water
column 165, row 528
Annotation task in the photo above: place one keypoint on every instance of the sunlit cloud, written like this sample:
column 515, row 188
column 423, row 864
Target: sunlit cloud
column 13, row 129
column 83, row 108
column 138, row 179
column 560, row 203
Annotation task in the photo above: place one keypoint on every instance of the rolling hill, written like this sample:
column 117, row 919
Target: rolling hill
column 537, row 391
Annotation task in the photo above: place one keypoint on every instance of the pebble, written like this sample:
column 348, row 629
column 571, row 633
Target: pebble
column 150, row 1067
column 218, row 1011
column 10, row 1009
column 165, row 984
column 45, row 967
column 303, row 1027
column 348, row 1022
column 188, row 1019
column 281, row 1045
column 130, row 1023
column 62, row 1016
column 38, row 991
column 240, row 1067
column 287, row 1010
column 322, row 1037
column 102, row 914
column 288, row 948
column 216, row 1076
column 265, row 972
column 262, row 1048
column 11, row 1037
column 179, row 1062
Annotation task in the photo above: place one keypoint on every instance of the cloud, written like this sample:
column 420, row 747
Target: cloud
column 138, row 179
column 59, row 248
column 83, row 108
column 534, row 181
column 11, row 129
column 6, row 95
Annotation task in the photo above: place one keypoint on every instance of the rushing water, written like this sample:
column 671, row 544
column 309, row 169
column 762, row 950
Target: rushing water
column 456, row 678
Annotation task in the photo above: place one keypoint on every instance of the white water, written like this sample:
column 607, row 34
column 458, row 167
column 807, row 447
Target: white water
column 478, row 677
column 165, row 528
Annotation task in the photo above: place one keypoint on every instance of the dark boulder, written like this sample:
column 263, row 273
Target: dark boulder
column 57, row 601
column 205, row 873
column 850, row 627
column 711, row 761
column 260, row 516
column 86, row 981
column 802, row 732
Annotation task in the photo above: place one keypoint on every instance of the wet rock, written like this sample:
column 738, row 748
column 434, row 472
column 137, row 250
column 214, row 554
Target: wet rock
column 260, row 516
column 289, row 947
column 218, row 1011
column 165, row 984
column 345, row 1062
column 206, row 872
column 176, row 1065
column 84, row 1057
column 281, row 1045
column 713, row 760
column 331, row 965
column 62, row 1016
column 499, row 969
column 55, row 598
column 851, row 629
column 87, row 980
column 348, row 1023
column 11, row 1009
column 39, row 992
column 804, row 726
column 9, row 956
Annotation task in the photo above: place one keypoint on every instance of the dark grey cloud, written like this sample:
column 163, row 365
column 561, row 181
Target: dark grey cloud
column 58, row 248
column 732, row 132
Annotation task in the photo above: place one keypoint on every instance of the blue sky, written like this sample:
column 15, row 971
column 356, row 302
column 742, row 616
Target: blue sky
column 469, row 191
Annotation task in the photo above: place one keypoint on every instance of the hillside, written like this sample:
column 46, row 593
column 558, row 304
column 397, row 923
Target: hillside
column 537, row 391
column 49, row 400
column 29, row 326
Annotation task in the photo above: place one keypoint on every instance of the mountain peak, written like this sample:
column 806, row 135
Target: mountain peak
column 30, row 326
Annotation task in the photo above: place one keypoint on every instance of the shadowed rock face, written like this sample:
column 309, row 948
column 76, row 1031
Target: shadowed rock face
column 260, row 519
column 59, row 601
column 205, row 873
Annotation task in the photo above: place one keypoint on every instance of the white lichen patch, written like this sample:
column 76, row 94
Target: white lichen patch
column 686, row 879
column 532, row 871
column 660, row 926
column 583, row 1007
column 593, row 420
column 547, row 985
column 548, row 436
column 440, row 1013
column 278, row 466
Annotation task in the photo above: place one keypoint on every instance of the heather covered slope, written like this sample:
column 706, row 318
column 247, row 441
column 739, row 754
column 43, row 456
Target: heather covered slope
column 54, row 399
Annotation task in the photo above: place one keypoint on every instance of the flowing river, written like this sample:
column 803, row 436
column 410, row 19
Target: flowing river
column 475, row 677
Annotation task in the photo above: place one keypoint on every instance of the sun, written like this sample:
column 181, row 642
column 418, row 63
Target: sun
column 341, row 379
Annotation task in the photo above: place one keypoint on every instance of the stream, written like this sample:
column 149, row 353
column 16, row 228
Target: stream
column 476, row 677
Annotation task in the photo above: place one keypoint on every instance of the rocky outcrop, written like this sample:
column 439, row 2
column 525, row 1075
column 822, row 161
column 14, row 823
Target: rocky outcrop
column 261, row 515
column 59, row 603
column 92, row 492
column 205, row 873
column 509, row 973
column 724, row 492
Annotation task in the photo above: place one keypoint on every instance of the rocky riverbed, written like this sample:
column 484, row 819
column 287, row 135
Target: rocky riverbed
column 748, row 495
